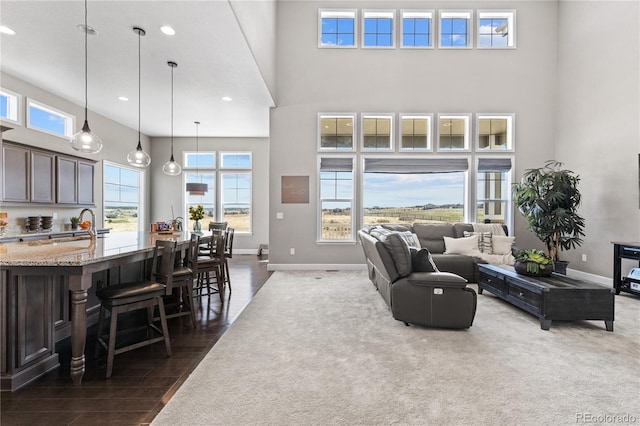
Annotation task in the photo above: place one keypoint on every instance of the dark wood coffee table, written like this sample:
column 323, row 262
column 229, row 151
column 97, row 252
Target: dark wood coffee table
column 549, row 298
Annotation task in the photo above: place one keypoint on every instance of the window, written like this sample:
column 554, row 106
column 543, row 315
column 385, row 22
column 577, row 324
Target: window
column 337, row 28
column 494, row 132
column 10, row 106
column 207, row 201
column 235, row 160
column 377, row 28
column 453, row 132
column 415, row 132
column 336, row 132
column 390, row 190
column 122, row 199
column 417, row 29
column 49, row 120
column 455, row 29
column 493, row 192
column 336, row 199
column 377, row 132
column 236, row 200
column 496, row 29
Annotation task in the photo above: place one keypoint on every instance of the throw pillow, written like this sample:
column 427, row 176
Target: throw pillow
column 411, row 239
column 502, row 244
column 484, row 241
column 421, row 261
column 464, row 245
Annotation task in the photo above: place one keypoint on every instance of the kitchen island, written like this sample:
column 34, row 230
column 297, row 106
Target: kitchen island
column 45, row 287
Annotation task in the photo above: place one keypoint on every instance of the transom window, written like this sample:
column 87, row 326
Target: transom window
column 494, row 132
column 377, row 132
column 415, row 132
column 377, row 28
column 417, row 28
column 49, row 120
column 496, row 29
column 453, row 132
column 9, row 106
column 455, row 29
column 235, row 160
column 336, row 132
column 337, row 28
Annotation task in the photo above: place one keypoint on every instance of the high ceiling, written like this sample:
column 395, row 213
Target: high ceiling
column 213, row 57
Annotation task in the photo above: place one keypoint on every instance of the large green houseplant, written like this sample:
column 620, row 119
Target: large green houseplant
column 548, row 197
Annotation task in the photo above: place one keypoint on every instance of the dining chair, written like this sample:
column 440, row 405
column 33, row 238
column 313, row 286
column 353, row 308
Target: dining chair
column 146, row 294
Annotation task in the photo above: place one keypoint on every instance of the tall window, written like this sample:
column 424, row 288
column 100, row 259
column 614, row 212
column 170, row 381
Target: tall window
column 417, row 29
column 9, row 106
column 496, row 29
column 337, row 28
column 336, row 199
column 49, row 120
column 378, row 28
column 415, row 132
column 200, row 167
column 236, row 200
column 455, row 29
column 377, row 132
column 408, row 190
column 336, row 132
column 493, row 191
column 122, row 200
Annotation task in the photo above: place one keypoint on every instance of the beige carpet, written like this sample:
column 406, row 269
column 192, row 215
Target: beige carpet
column 321, row 348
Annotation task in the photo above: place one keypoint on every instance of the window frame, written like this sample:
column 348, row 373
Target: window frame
column 352, row 200
column 14, row 106
column 142, row 207
column 456, row 13
column 354, row 133
column 353, row 13
column 467, row 134
column 220, row 179
column 509, row 14
column 432, row 27
column 69, row 119
column 510, row 131
column 378, row 13
column 189, row 170
column 391, row 118
column 429, row 118
column 508, row 209
column 222, row 154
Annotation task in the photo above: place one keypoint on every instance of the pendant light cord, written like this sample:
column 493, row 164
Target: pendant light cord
column 172, row 113
column 139, row 83
column 86, row 53
column 197, row 148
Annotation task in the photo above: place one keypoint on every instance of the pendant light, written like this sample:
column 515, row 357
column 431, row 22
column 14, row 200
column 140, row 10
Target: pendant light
column 137, row 157
column 86, row 141
column 194, row 188
column 171, row 168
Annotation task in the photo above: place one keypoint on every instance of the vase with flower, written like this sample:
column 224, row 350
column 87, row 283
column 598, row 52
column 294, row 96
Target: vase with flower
column 196, row 214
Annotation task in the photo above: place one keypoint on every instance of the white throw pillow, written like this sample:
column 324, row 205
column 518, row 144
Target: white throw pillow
column 465, row 245
column 502, row 244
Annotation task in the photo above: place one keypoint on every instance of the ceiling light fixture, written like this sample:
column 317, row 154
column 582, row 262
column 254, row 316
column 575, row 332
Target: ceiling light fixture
column 166, row 29
column 172, row 168
column 137, row 157
column 86, row 141
column 123, row 98
column 6, row 30
column 194, row 188
column 227, row 98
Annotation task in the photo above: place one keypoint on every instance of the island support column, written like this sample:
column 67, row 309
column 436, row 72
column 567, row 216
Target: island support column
column 78, row 286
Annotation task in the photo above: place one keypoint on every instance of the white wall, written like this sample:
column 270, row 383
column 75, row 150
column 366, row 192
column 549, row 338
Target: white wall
column 312, row 80
column 117, row 140
column 168, row 191
column 598, row 130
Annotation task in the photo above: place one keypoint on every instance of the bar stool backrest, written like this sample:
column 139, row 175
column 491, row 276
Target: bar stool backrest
column 163, row 273
column 221, row 226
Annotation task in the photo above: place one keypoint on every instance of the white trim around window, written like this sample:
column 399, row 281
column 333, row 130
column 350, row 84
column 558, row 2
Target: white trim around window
column 337, row 132
column 377, row 132
column 501, row 35
column 412, row 128
column 453, row 133
column 495, row 132
column 383, row 39
column 449, row 35
column 416, row 35
column 505, row 197
column 13, row 108
column 336, row 193
column 68, row 120
column 332, row 39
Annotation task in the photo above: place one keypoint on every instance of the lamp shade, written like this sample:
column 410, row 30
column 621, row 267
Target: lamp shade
column 86, row 141
column 197, row 188
column 138, row 158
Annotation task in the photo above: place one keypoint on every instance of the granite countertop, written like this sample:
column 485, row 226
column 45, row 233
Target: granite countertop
column 79, row 251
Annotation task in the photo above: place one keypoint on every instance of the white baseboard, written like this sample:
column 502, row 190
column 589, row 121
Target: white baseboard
column 599, row 279
column 249, row 251
column 316, row 267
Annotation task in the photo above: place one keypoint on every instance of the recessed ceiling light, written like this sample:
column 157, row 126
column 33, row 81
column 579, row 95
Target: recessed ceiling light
column 86, row 28
column 168, row 30
column 123, row 98
column 226, row 99
column 6, row 30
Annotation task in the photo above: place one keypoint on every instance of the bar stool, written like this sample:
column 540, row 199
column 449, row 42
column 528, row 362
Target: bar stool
column 182, row 280
column 212, row 262
column 228, row 254
column 141, row 295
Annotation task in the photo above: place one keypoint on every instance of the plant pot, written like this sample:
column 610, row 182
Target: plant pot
column 521, row 268
column 561, row 267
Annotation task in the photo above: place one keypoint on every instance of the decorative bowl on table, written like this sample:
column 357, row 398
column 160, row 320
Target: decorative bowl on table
column 84, row 225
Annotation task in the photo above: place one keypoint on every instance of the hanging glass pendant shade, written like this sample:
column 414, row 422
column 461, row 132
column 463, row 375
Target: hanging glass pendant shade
column 171, row 168
column 194, row 188
column 138, row 157
column 85, row 141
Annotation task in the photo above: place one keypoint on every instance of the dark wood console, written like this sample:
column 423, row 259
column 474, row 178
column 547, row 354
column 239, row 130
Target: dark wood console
column 621, row 251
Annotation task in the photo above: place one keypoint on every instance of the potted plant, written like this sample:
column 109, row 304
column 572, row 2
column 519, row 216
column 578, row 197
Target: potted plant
column 548, row 197
column 533, row 262
column 74, row 222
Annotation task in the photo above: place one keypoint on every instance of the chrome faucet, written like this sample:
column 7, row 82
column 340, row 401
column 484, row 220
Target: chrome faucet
column 92, row 227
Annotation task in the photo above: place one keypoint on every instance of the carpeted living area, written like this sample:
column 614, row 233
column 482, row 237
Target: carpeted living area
column 320, row 347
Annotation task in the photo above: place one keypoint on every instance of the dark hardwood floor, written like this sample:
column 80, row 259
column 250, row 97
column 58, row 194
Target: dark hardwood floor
column 143, row 380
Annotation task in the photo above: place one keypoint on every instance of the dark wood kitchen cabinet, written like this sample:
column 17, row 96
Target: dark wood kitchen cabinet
column 42, row 177
column 67, row 182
